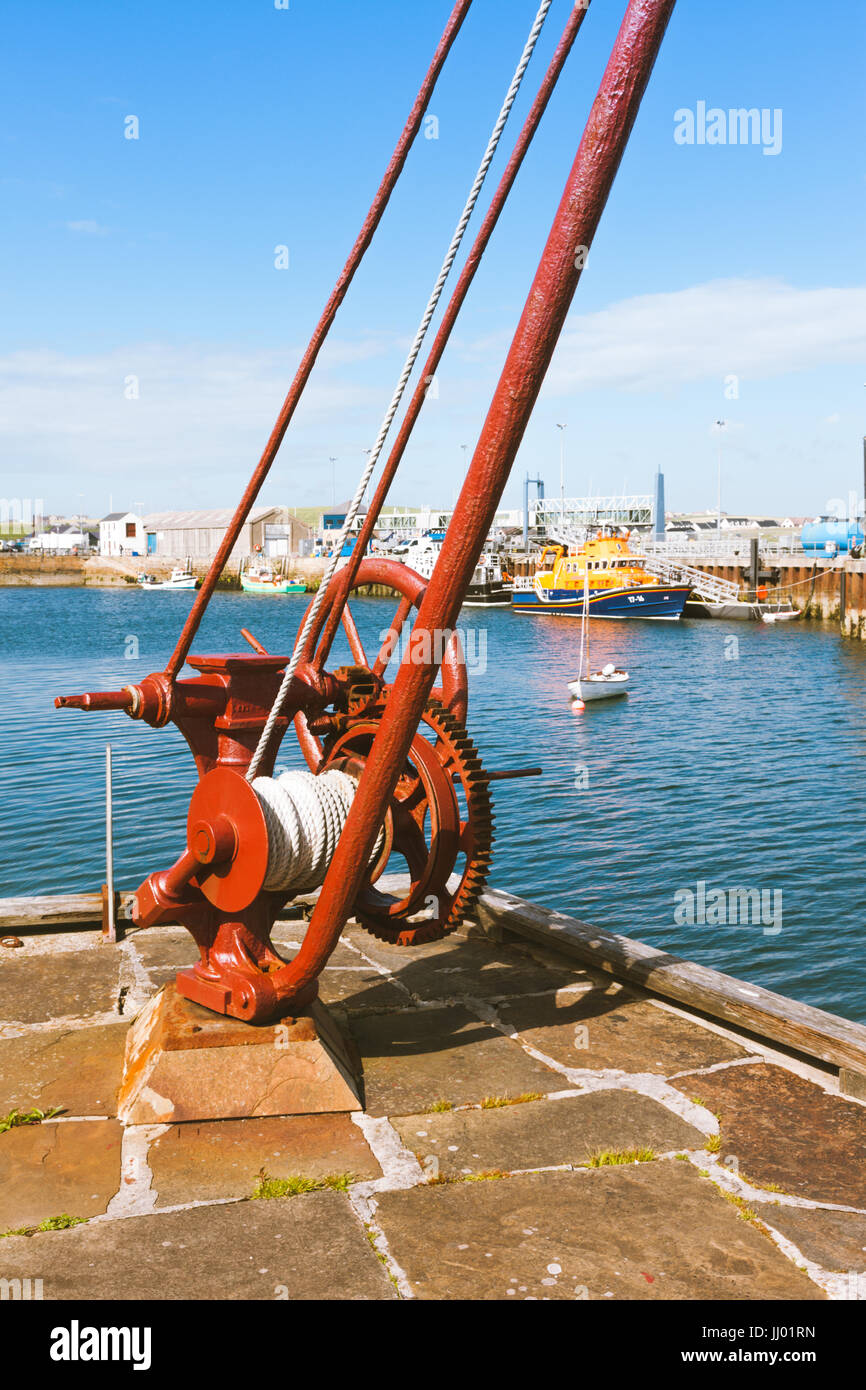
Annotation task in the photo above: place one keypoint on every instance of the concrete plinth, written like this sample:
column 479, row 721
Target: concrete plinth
column 185, row 1063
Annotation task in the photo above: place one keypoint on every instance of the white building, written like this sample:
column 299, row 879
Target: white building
column 122, row 533
column 62, row 540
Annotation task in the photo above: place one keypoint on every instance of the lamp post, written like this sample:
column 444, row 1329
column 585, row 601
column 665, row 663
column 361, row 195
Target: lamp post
column 720, row 426
column 562, row 429
column 333, row 462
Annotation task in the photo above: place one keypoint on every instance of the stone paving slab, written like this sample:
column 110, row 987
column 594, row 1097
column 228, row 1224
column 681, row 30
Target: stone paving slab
column 647, row 1231
column 164, row 950
column 608, row 1028
column 55, row 1169
column 785, row 1130
column 360, row 991
column 74, row 984
column 457, row 968
column 288, row 936
column 542, row 1133
column 205, row 1162
column 293, row 1249
column 835, row 1240
column 78, row 1069
column 415, row 1058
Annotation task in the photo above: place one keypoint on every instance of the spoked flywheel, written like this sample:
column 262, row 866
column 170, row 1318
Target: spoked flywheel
column 439, row 820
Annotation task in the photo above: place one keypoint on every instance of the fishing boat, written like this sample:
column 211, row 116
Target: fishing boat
column 605, row 684
column 259, row 578
column 489, row 586
column 620, row 586
column 180, row 579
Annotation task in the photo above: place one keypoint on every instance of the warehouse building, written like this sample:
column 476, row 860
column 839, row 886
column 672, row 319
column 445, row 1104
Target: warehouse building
column 273, row 531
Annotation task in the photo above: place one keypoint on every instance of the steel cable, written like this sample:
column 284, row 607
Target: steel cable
column 367, row 472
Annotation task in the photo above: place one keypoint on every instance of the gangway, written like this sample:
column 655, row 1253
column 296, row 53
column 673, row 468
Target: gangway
column 708, row 587
column 573, row 536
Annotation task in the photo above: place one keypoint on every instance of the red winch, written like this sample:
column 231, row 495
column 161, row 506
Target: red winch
column 438, row 817
column 392, row 770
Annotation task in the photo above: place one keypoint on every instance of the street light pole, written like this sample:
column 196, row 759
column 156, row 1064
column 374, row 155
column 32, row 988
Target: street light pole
column 562, row 429
column 333, row 463
column 720, row 425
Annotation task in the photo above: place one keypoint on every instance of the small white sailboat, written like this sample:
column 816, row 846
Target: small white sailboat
column 605, row 684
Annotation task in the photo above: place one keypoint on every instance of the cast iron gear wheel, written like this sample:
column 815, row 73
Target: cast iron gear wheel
column 459, row 757
column 458, row 827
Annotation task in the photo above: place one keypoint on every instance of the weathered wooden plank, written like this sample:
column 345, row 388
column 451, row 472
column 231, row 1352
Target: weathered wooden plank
column 807, row 1030
column 62, row 910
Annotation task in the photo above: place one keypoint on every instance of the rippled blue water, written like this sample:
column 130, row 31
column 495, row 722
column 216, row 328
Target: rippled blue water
column 739, row 769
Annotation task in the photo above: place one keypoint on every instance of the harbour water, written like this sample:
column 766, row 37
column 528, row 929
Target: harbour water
column 737, row 762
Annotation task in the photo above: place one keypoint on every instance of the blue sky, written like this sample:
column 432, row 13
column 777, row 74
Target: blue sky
column 259, row 127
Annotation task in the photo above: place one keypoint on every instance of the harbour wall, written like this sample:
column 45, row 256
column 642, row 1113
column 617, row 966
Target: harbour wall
column 829, row 590
column 99, row 571
column 35, row 571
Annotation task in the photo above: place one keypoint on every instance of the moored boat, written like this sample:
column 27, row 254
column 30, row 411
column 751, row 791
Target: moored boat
column 605, row 684
column 489, row 586
column 180, row 579
column 259, row 578
column 780, row 615
column 619, row 584
column 601, row 685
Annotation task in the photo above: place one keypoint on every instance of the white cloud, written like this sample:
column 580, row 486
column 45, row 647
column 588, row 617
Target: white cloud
column 87, row 227
column 203, row 413
column 749, row 328
column 199, row 421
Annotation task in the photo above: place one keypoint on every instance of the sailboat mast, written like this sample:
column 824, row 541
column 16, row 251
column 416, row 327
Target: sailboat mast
column 586, row 606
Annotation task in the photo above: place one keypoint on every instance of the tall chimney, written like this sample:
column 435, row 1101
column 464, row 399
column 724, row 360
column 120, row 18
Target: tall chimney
column 659, row 506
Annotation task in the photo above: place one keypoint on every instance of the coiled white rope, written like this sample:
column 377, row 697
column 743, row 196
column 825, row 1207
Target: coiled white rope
column 409, row 364
column 305, row 815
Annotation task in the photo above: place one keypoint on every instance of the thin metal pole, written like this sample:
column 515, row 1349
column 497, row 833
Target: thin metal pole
column 586, row 192
column 720, row 426
column 562, row 429
column 302, row 376
column 111, row 932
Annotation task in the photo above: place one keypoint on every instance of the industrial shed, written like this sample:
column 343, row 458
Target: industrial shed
column 197, row 535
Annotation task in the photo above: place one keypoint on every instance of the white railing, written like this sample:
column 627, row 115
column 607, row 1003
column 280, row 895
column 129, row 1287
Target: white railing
column 567, row 535
column 706, row 586
column 723, row 546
